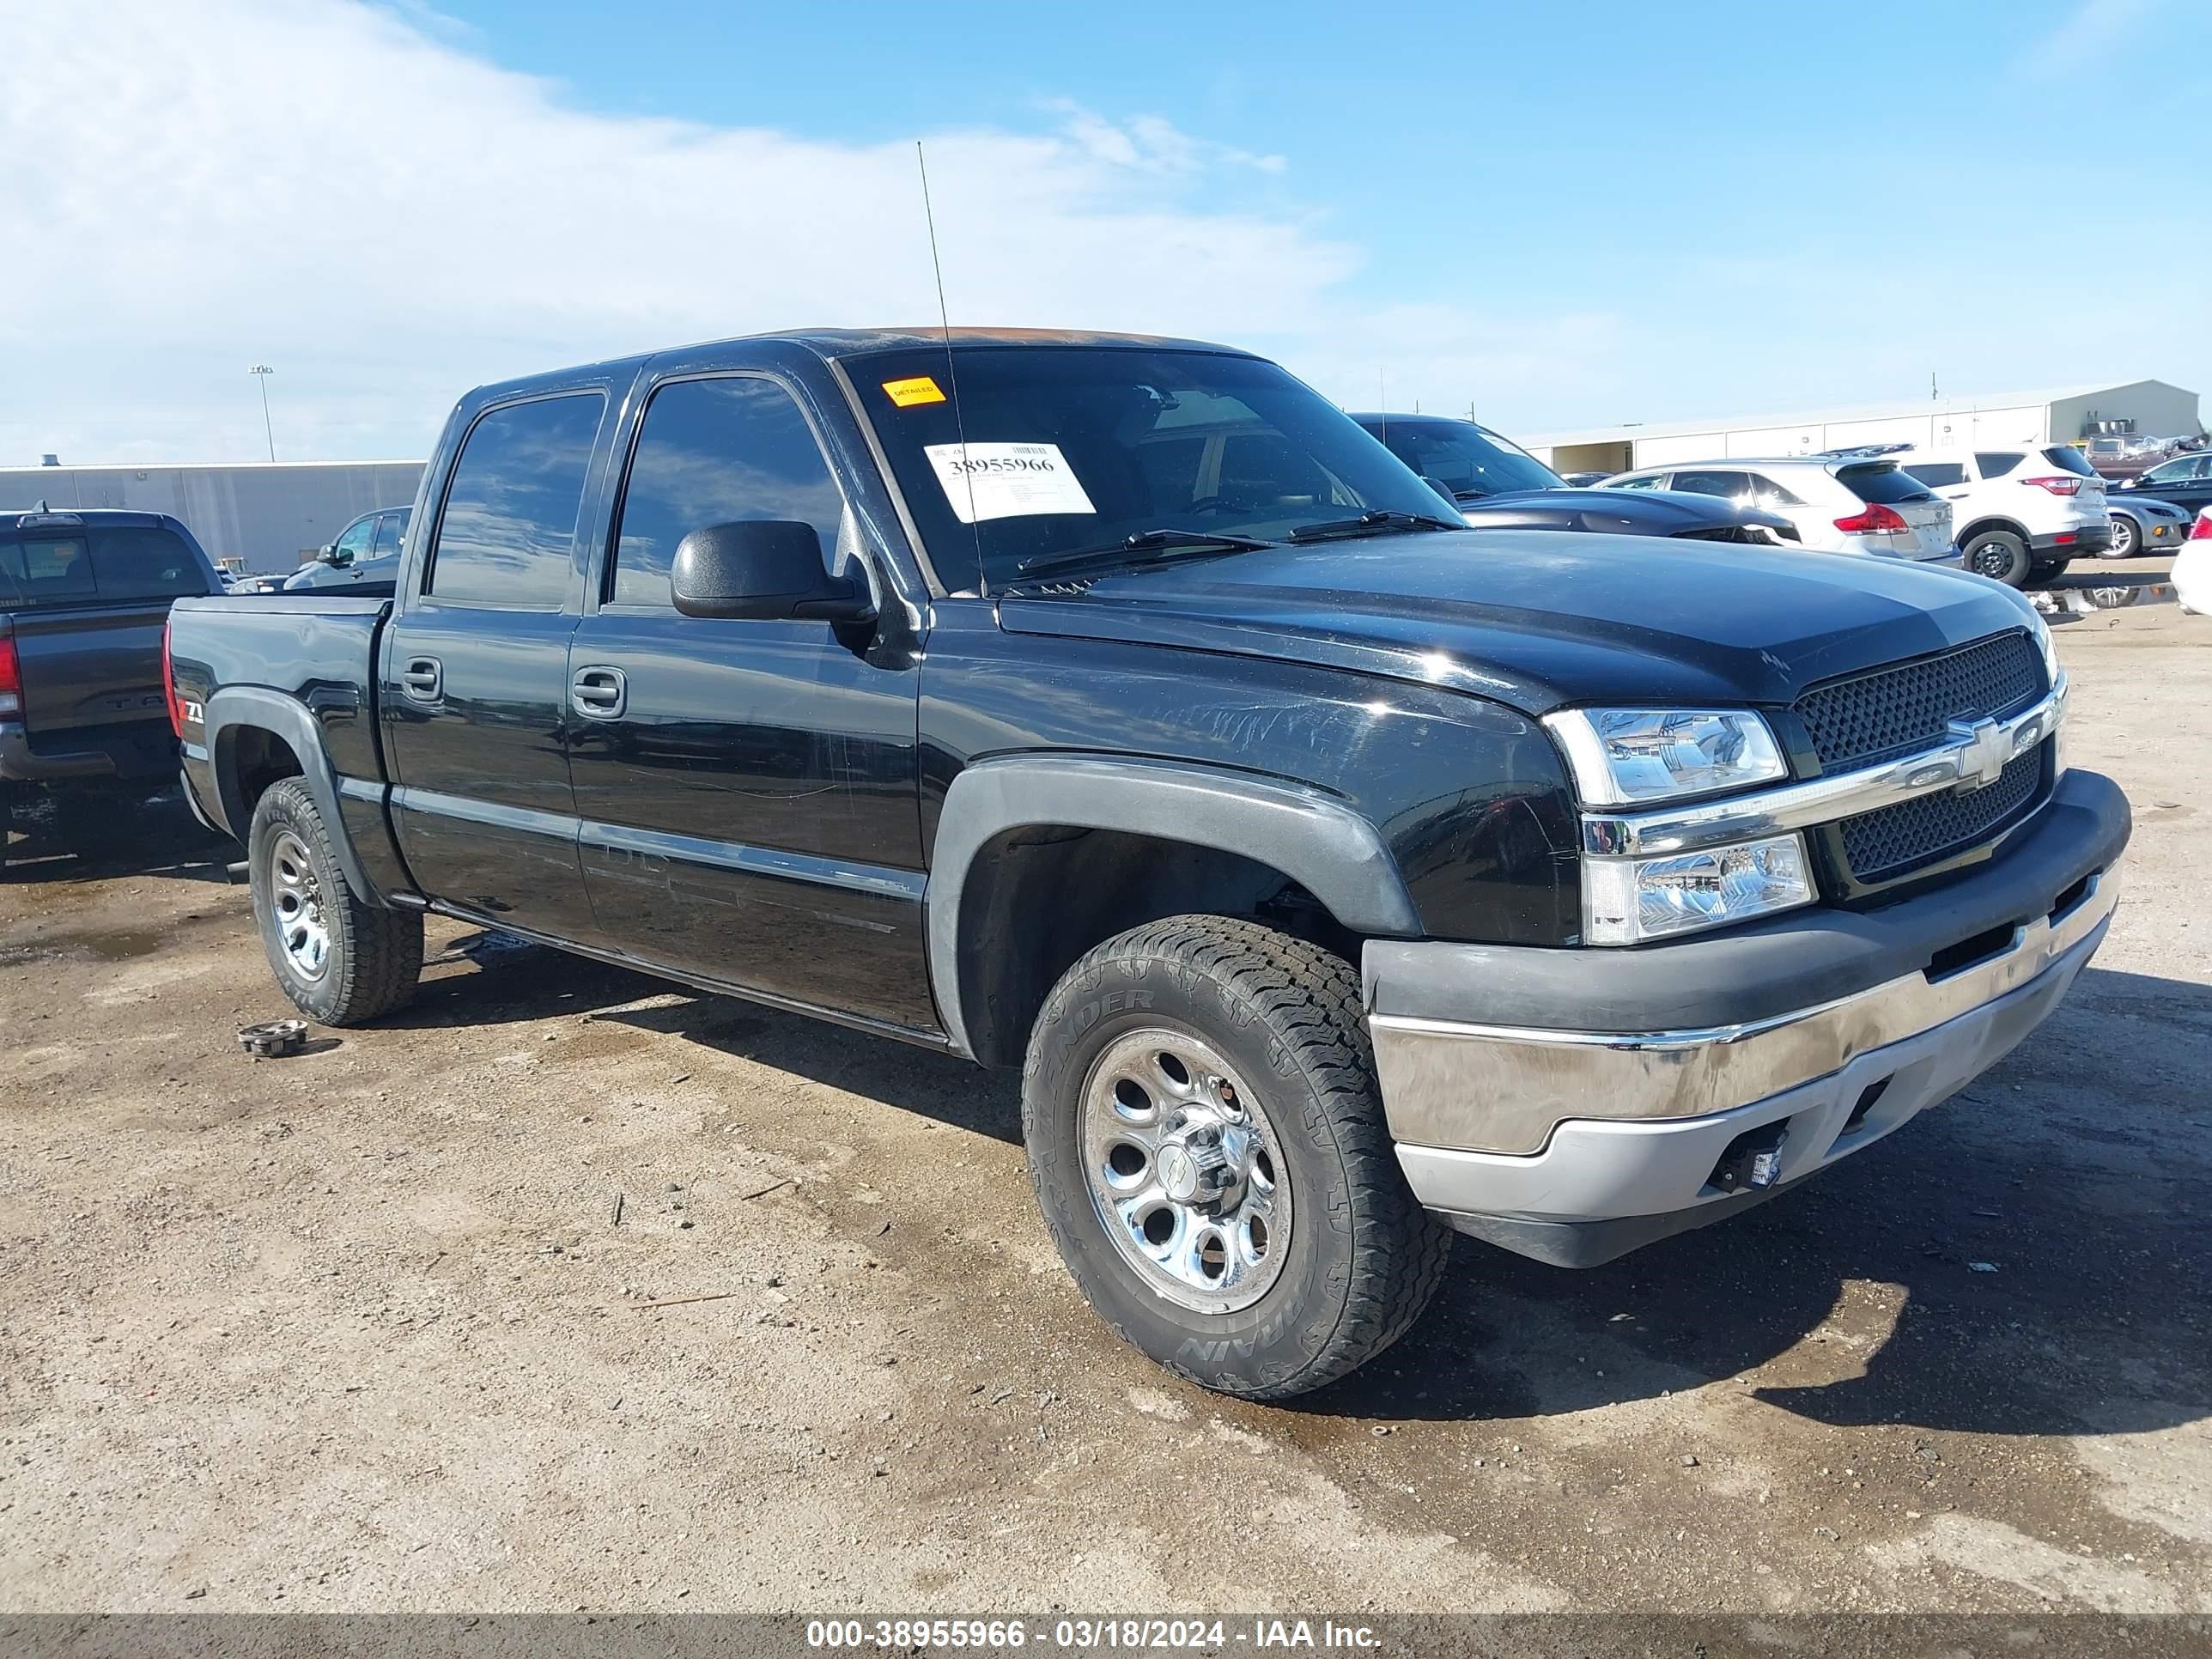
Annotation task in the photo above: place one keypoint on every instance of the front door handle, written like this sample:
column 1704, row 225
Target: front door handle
column 423, row 678
column 598, row 693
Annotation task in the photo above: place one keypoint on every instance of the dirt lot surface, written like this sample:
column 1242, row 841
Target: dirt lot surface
column 359, row 1329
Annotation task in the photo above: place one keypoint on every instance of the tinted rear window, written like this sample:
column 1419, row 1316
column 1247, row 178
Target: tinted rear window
column 1883, row 482
column 2069, row 458
column 509, row 529
column 1995, row 463
column 114, row 565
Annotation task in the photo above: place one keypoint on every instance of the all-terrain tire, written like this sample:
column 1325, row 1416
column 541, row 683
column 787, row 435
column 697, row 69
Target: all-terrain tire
column 1361, row 1259
column 371, row 957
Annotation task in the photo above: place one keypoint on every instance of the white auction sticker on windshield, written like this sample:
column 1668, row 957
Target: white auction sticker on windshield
column 1006, row 481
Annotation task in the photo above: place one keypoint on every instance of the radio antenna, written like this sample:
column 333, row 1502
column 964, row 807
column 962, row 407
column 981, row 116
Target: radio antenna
column 952, row 375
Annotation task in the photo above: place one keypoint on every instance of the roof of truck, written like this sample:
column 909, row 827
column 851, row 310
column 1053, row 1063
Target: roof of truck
column 846, row 342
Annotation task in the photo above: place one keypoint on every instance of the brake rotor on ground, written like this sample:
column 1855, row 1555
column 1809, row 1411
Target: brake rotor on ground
column 274, row 1039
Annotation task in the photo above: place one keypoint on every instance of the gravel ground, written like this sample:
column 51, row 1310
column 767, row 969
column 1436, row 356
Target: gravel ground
column 360, row 1330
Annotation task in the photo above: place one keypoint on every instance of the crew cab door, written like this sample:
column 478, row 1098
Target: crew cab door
column 747, row 789
column 473, row 684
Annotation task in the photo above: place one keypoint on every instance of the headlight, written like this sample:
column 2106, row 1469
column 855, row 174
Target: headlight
column 2041, row 629
column 1628, row 900
column 1620, row 755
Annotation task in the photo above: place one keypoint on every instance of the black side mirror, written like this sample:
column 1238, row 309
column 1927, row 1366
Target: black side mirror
column 764, row 570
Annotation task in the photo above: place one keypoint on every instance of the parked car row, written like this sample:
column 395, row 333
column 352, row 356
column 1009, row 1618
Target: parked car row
column 1839, row 504
column 1495, row 485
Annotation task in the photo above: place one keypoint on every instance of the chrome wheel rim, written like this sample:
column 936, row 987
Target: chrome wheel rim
column 296, row 901
column 2123, row 539
column 1185, row 1171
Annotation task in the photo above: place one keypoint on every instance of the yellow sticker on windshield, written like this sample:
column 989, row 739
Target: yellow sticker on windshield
column 918, row 389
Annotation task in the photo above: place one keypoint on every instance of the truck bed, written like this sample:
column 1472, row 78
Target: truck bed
column 315, row 652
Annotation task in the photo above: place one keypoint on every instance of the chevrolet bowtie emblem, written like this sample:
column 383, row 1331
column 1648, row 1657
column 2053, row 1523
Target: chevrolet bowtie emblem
column 1984, row 749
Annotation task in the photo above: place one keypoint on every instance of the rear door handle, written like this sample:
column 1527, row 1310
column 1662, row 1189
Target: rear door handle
column 598, row 693
column 423, row 678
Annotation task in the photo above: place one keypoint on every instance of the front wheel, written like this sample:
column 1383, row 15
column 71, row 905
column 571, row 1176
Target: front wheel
column 1207, row 1144
column 2125, row 539
column 1997, row 554
column 340, row 959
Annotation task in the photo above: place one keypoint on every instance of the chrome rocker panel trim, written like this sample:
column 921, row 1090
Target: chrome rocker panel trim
column 1505, row 1089
column 1972, row 758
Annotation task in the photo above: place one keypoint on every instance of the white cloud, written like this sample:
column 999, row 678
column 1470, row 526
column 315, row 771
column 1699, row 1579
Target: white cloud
column 2070, row 49
column 388, row 219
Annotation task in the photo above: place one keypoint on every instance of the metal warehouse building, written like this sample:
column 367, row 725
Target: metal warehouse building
column 2062, row 414
column 261, row 517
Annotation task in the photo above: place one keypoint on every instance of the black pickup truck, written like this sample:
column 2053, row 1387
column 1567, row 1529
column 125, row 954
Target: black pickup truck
column 1116, row 709
column 82, row 598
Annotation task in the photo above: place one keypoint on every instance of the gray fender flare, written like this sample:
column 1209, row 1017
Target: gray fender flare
column 1313, row 838
column 237, row 706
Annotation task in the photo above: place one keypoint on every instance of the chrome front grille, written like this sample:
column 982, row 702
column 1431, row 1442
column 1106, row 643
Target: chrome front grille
column 1897, row 711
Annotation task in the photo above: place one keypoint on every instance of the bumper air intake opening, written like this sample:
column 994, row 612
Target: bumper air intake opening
column 1984, row 946
column 1868, row 1097
column 1753, row 1159
column 2067, row 900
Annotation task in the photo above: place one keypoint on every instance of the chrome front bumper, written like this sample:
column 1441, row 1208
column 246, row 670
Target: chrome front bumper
column 1529, row 1081
column 1539, row 1131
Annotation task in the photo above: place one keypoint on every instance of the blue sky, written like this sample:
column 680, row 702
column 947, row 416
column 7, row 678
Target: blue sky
column 1564, row 215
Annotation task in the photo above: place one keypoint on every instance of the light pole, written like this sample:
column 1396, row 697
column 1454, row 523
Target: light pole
column 261, row 372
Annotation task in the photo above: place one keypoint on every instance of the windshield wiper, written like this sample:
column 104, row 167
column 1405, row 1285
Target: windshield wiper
column 1114, row 553
column 1369, row 523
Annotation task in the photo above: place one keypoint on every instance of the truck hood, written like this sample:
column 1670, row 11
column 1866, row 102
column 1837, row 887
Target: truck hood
column 1538, row 620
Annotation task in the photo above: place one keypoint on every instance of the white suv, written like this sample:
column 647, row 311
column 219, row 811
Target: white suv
column 2022, row 510
column 1839, row 504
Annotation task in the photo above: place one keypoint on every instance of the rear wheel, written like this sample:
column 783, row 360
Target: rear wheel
column 1208, row 1145
column 1997, row 554
column 2126, row 539
column 340, row 959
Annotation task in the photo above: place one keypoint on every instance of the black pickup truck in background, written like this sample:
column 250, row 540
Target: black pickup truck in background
column 83, row 596
column 1117, row 709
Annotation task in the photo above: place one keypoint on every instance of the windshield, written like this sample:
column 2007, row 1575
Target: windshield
column 1073, row 448
column 1471, row 461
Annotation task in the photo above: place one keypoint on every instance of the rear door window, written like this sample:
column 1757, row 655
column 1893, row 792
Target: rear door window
column 1937, row 474
column 2070, row 460
column 388, row 528
column 1995, row 463
column 1728, row 485
column 509, row 533
column 1886, row 484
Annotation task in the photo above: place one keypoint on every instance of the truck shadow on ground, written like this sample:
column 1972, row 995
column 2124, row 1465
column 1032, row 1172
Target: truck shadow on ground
column 2024, row 1260
column 518, row 982
column 156, row 837
column 2076, row 1182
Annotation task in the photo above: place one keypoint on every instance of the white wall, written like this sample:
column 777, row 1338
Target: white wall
column 272, row 517
column 2158, row 411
